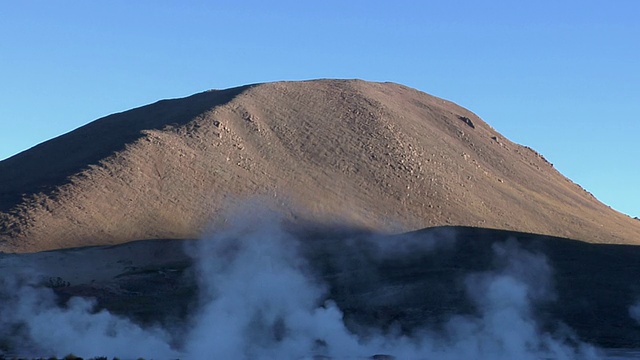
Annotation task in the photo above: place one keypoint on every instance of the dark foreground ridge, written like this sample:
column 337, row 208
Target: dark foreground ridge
column 427, row 279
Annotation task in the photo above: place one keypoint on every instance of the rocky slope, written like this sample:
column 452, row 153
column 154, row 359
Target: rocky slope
column 378, row 155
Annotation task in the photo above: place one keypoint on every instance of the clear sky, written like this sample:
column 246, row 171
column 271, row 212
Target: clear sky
column 560, row 76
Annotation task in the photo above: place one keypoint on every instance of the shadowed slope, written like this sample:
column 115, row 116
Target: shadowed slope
column 378, row 155
column 51, row 163
column 419, row 283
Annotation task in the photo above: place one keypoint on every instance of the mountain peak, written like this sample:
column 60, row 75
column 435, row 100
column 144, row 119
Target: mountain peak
column 377, row 155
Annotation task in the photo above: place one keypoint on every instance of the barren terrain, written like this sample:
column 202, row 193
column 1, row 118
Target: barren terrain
column 377, row 155
column 343, row 163
column 421, row 283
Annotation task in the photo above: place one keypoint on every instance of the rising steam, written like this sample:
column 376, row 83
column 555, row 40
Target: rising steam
column 262, row 298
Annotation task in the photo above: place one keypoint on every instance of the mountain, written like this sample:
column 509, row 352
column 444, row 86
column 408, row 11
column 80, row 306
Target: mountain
column 376, row 155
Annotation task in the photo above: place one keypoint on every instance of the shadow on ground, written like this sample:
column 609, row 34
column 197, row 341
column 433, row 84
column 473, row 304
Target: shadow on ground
column 154, row 280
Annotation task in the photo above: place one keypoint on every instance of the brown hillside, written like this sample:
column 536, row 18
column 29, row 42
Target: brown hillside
column 378, row 155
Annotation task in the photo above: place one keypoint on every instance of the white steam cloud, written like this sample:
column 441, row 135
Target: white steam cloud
column 634, row 312
column 260, row 298
column 35, row 326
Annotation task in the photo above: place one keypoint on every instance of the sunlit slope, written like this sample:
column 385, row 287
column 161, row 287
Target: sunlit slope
column 378, row 155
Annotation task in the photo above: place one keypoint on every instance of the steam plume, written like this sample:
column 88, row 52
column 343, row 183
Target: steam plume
column 262, row 298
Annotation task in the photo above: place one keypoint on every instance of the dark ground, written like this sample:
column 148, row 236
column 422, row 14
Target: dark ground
column 594, row 284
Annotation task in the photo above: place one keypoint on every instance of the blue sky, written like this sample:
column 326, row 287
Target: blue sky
column 560, row 76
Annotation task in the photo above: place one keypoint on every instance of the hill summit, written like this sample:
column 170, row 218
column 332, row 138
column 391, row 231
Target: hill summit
column 377, row 155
